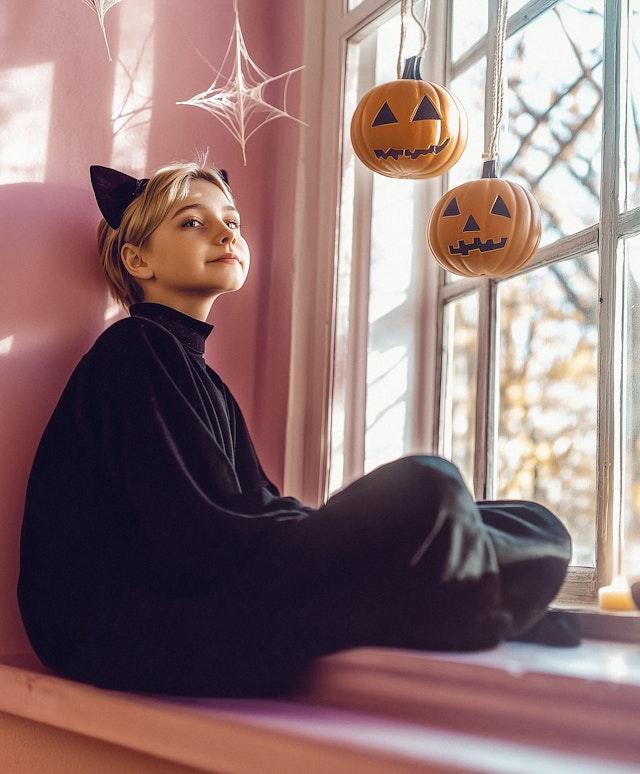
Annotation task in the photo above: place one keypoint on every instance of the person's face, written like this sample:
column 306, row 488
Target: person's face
column 196, row 253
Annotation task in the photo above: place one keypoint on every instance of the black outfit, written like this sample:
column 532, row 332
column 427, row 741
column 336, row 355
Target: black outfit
column 157, row 556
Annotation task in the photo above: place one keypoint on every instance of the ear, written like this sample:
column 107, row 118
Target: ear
column 135, row 262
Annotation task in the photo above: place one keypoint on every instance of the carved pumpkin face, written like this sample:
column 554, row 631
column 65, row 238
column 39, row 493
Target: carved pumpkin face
column 488, row 227
column 409, row 128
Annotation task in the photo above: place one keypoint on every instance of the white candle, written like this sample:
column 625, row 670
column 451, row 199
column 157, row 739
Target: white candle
column 617, row 596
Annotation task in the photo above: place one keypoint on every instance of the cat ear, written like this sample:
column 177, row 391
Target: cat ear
column 114, row 192
column 224, row 176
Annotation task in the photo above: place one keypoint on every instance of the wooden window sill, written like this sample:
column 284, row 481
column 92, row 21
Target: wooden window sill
column 518, row 707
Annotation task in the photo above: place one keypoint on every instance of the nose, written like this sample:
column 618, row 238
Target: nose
column 471, row 224
column 226, row 235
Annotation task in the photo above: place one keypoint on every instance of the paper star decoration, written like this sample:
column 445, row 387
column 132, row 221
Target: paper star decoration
column 100, row 8
column 237, row 99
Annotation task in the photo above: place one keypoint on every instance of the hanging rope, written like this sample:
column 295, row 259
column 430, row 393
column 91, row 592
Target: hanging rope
column 498, row 86
column 408, row 7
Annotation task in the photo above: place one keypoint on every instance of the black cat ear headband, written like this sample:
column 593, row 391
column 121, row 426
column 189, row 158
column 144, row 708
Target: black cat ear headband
column 115, row 191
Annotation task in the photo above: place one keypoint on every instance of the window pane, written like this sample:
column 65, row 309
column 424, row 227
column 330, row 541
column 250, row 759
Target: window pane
column 375, row 312
column 459, row 378
column 631, row 96
column 469, row 89
column 554, row 105
column 631, row 408
column 391, row 320
column 469, row 24
column 547, row 415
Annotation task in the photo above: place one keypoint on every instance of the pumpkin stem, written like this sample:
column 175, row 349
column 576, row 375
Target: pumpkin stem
column 489, row 168
column 412, row 68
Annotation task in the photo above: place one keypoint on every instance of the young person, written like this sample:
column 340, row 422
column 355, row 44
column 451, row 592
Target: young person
column 155, row 553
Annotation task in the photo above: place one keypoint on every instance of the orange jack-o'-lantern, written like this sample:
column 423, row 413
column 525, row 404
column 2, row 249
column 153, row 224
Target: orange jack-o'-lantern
column 409, row 127
column 488, row 227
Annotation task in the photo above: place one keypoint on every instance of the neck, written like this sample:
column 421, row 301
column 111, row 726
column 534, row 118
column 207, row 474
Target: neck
column 195, row 307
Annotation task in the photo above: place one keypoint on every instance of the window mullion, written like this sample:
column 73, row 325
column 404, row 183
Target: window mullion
column 485, row 416
column 485, row 433
column 609, row 429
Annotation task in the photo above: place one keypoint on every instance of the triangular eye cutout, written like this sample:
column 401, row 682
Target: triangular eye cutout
column 426, row 111
column 385, row 116
column 500, row 208
column 451, row 208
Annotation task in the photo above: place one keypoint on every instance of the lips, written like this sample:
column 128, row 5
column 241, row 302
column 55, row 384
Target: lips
column 227, row 258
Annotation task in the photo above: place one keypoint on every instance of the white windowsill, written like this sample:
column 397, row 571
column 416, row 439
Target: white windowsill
column 518, row 707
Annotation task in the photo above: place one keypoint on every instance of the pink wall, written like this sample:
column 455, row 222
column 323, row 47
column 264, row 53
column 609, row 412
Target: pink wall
column 58, row 93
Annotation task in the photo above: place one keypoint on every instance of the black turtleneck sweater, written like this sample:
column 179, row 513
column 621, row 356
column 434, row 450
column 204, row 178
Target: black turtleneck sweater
column 157, row 556
column 145, row 477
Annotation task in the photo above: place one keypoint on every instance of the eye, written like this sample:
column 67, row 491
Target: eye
column 233, row 223
column 500, row 208
column 451, row 208
column 385, row 116
column 426, row 111
column 191, row 223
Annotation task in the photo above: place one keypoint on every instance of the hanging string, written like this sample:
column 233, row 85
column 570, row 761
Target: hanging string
column 498, row 86
column 408, row 7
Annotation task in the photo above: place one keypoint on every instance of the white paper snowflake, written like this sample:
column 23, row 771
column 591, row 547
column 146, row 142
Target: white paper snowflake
column 236, row 96
column 100, row 8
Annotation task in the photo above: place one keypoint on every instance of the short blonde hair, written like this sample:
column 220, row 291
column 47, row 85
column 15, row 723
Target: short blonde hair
column 167, row 186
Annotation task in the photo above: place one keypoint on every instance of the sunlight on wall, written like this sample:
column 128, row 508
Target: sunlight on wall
column 25, row 107
column 112, row 311
column 133, row 89
column 6, row 344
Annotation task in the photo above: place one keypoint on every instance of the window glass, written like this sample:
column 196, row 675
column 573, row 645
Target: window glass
column 459, row 379
column 554, row 105
column 630, row 194
column 468, row 25
column 375, row 312
column 391, row 321
column 469, row 89
column 547, row 416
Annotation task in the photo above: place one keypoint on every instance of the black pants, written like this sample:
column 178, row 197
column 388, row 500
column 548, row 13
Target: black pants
column 403, row 558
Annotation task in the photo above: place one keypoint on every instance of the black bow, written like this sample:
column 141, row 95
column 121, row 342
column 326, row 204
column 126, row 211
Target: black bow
column 115, row 191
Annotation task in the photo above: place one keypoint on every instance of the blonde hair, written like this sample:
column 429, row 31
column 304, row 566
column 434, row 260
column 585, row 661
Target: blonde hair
column 167, row 186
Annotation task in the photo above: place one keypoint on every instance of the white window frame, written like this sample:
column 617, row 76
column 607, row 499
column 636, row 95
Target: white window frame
column 317, row 229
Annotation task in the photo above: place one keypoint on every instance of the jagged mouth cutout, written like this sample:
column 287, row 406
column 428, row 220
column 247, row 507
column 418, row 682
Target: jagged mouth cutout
column 464, row 247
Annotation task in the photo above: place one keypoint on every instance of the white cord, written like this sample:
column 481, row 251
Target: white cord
column 498, row 86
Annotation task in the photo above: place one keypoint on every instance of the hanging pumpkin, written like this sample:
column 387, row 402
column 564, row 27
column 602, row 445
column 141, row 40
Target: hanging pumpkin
column 409, row 128
column 489, row 227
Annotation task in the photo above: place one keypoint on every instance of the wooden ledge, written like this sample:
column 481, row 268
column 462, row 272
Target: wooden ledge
column 515, row 708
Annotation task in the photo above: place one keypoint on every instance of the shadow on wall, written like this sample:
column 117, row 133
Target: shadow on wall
column 53, row 304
